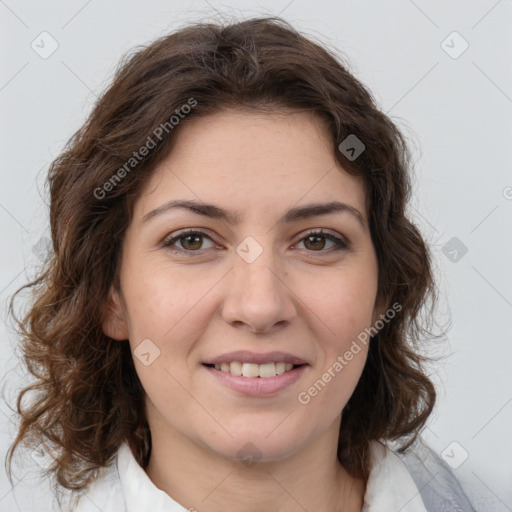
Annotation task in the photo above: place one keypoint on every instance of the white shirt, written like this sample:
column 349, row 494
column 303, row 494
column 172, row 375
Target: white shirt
column 124, row 486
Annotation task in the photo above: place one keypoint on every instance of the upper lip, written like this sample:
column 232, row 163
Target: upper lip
column 244, row 356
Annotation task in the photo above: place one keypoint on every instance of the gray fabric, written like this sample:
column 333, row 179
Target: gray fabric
column 439, row 487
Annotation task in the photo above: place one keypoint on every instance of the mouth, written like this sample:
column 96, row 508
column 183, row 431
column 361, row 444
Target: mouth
column 254, row 370
column 255, row 373
column 256, row 380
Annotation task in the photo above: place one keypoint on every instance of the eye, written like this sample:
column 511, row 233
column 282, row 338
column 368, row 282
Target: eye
column 316, row 241
column 190, row 241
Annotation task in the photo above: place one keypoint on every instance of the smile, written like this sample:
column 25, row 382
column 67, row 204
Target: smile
column 256, row 379
column 253, row 370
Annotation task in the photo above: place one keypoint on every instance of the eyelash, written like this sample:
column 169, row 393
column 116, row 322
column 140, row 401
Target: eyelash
column 342, row 245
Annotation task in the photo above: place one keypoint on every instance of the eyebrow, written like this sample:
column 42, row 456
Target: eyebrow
column 292, row 215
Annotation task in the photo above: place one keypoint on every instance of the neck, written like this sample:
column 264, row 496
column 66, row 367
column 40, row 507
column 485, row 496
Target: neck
column 201, row 479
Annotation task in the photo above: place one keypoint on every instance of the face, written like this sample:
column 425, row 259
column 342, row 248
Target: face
column 247, row 274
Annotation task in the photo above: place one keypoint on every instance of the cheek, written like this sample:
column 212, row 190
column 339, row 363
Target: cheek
column 330, row 391
column 342, row 300
column 340, row 307
column 343, row 348
column 163, row 300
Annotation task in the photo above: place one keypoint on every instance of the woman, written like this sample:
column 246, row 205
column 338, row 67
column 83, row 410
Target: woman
column 230, row 317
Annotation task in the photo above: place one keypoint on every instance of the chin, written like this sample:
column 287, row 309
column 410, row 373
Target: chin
column 258, row 444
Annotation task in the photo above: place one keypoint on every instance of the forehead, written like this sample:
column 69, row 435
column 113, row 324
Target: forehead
column 248, row 160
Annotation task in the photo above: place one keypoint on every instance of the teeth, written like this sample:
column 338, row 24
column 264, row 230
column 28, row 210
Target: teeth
column 267, row 370
column 253, row 370
column 250, row 370
column 280, row 368
column 235, row 368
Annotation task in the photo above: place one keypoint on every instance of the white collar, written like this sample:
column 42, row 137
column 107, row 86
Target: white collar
column 125, row 487
column 390, row 486
column 138, row 489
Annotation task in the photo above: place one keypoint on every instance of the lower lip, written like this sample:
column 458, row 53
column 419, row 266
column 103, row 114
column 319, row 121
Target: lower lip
column 257, row 386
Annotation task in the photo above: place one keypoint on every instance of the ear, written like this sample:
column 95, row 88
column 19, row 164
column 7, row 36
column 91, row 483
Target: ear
column 114, row 322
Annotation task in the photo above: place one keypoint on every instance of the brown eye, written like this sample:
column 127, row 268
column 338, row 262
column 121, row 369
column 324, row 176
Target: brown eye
column 316, row 241
column 191, row 241
column 188, row 242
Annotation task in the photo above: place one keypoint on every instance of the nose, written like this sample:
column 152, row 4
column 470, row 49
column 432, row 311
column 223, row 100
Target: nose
column 258, row 298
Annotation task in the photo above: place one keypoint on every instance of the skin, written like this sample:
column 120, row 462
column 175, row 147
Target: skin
column 307, row 299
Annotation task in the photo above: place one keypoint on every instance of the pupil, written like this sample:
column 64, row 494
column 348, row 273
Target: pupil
column 192, row 237
column 316, row 244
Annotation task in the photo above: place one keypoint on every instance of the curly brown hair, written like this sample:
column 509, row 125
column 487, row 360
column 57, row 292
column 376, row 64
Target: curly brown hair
column 87, row 396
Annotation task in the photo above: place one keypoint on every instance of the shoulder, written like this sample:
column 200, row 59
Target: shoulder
column 123, row 486
column 104, row 492
column 389, row 485
column 439, row 487
column 415, row 481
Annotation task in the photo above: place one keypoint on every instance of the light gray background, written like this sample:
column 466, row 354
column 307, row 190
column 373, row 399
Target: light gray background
column 456, row 111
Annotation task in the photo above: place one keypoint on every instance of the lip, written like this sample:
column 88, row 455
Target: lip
column 245, row 356
column 258, row 386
